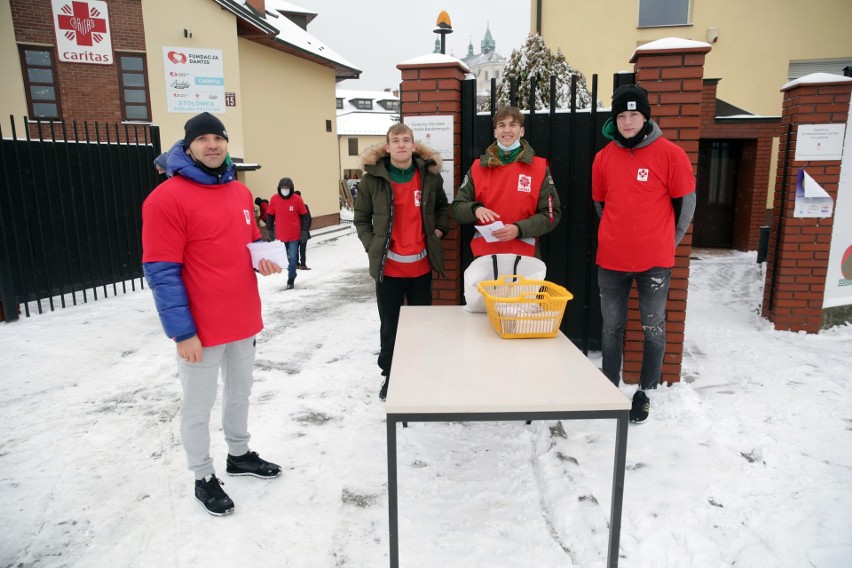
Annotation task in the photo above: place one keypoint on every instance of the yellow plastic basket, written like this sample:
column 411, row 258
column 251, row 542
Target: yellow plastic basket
column 523, row 308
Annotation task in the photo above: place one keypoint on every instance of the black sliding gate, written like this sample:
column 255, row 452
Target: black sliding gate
column 70, row 212
column 569, row 140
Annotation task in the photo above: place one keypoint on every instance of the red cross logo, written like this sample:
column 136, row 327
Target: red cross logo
column 83, row 22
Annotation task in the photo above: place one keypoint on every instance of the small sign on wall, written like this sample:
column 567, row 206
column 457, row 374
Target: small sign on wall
column 82, row 32
column 195, row 79
column 230, row 99
column 437, row 133
column 818, row 142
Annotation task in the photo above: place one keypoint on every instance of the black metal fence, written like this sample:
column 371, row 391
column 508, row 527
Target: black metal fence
column 70, row 208
column 569, row 140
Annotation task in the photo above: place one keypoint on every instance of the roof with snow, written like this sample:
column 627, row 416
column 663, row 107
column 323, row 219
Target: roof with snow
column 366, row 113
column 277, row 28
column 365, row 124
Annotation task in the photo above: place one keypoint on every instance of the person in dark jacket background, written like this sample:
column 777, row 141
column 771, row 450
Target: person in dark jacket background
column 302, row 262
column 195, row 230
column 401, row 214
column 262, row 206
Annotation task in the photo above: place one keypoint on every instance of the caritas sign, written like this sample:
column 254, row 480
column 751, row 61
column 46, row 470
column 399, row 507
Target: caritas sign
column 82, row 31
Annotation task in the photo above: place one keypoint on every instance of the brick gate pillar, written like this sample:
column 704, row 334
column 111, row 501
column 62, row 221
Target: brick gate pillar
column 672, row 71
column 431, row 85
column 799, row 247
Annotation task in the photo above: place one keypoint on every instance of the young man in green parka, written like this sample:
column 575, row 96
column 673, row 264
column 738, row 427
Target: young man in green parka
column 401, row 215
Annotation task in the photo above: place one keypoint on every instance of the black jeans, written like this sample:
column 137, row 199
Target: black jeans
column 653, row 288
column 391, row 293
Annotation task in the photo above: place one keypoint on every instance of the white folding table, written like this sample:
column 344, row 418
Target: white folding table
column 449, row 365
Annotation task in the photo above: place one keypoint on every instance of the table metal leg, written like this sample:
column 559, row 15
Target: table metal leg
column 393, row 514
column 617, row 490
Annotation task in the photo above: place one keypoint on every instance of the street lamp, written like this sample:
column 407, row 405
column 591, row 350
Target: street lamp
column 443, row 27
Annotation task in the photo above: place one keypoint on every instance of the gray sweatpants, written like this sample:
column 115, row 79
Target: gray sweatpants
column 200, row 383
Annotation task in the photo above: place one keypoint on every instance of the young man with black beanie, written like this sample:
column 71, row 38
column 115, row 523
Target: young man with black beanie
column 644, row 191
column 195, row 230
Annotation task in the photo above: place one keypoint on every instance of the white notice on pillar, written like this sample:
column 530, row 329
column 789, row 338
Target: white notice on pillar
column 811, row 199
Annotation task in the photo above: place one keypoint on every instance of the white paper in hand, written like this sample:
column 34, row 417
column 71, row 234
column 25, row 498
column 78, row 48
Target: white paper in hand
column 487, row 231
column 275, row 251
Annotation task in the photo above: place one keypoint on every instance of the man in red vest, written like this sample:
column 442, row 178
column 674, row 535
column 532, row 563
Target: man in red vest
column 511, row 185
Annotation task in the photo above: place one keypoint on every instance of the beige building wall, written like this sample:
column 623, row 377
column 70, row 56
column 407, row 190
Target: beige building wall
column 287, row 101
column 211, row 28
column 282, row 101
column 348, row 162
column 756, row 41
column 13, row 98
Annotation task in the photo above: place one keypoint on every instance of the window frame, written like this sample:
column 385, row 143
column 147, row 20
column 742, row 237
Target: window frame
column 22, row 50
column 362, row 104
column 350, row 141
column 658, row 4
column 122, row 87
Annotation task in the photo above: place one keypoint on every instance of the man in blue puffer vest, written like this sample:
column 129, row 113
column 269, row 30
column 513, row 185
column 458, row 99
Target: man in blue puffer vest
column 195, row 228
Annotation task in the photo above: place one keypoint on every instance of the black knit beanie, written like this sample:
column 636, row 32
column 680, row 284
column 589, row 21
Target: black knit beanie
column 204, row 123
column 631, row 97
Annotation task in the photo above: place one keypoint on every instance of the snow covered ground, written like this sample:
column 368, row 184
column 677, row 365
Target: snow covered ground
column 747, row 462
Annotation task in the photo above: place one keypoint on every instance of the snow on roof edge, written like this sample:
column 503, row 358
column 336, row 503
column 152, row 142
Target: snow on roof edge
column 814, row 78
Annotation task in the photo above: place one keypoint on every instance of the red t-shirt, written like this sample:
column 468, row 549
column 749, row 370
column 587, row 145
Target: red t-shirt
column 206, row 228
column 637, row 229
column 407, row 237
column 288, row 212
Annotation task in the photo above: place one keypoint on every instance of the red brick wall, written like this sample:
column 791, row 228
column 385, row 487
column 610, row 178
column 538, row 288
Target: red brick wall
column 674, row 80
column 435, row 89
column 88, row 92
column 799, row 248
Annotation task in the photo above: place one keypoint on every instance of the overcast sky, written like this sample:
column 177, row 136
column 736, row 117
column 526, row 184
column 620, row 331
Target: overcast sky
column 378, row 34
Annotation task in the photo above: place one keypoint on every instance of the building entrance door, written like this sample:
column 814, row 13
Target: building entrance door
column 716, row 192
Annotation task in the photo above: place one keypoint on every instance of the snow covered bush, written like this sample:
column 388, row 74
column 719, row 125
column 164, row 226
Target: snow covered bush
column 535, row 60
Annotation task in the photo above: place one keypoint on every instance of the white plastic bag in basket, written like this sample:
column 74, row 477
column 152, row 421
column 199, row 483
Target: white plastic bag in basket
column 482, row 268
column 521, row 318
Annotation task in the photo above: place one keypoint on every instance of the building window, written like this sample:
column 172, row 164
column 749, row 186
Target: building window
column 37, row 64
column 658, row 13
column 353, row 146
column 339, row 103
column 796, row 69
column 133, row 83
column 392, row 106
column 362, row 104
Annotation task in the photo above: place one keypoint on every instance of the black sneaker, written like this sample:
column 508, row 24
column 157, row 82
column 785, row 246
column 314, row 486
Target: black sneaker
column 383, row 392
column 641, row 407
column 289, row 284
column 209, row 492
column 252, row 464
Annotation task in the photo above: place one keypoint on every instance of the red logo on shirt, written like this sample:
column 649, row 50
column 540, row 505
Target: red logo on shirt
column 248, row 217
column 417, row 194
column 642, row 174
column 524, row 183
